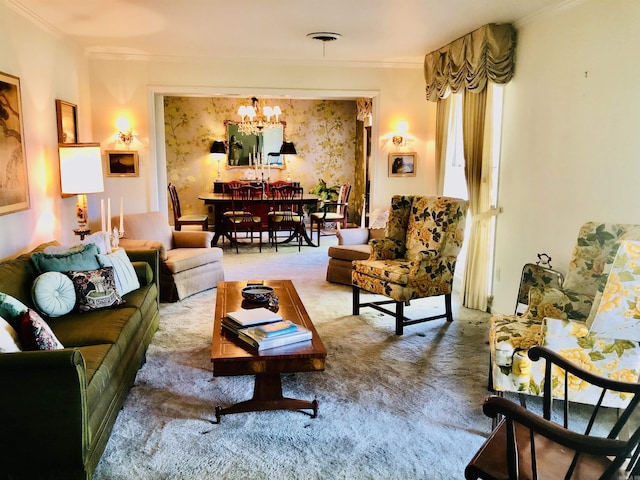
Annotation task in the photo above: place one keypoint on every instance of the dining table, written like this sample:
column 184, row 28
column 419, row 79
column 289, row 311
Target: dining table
column 222, row 203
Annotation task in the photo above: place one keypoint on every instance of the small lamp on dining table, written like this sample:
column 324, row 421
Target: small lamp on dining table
column 81, row 174
column 218, row 150
column 287, row 148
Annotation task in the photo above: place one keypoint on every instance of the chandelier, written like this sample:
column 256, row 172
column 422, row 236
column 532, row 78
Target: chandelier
column 256, row 118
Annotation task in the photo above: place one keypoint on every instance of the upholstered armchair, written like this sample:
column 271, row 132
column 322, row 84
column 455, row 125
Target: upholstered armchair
column 188, row 263
column 570, row 320
column 416, row 259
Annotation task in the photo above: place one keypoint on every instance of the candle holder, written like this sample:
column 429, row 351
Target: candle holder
column 116, row 235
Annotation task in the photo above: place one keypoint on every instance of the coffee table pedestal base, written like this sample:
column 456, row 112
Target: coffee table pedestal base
column 267, row 395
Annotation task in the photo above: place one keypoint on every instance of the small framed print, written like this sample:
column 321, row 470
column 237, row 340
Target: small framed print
column 67, row 116
column 122, row 163
column 402, row 164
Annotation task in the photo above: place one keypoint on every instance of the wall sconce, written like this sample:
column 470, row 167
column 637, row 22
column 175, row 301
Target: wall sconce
column 125, row 134
column 399, row 138
column 218, row 149
column 80, row 174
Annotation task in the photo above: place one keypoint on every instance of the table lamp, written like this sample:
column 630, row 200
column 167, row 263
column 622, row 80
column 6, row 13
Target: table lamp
column 218, row 149
column 80, row 174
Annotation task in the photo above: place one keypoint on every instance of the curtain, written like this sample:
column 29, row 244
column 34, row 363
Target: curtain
column 364, row 108
column 486, row 54
column 476, row 124
column 443, row 110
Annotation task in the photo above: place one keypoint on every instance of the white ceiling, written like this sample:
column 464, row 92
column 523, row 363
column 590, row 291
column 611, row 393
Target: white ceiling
column 390, row 32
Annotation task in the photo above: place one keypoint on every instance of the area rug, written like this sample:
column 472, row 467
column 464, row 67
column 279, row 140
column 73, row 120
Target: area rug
column 391, row 407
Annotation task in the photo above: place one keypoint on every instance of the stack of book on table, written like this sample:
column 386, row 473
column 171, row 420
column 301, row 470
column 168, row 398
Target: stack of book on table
column 263, row 329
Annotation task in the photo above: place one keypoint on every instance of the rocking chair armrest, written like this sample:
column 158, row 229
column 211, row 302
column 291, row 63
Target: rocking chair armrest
column 494, row 406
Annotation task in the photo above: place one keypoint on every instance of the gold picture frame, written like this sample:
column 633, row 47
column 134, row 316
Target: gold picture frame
column 122, row 163
column 67, row 121
column 14, row 182
column 402, row 164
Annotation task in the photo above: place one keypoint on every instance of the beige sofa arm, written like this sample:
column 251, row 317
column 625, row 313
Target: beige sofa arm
column 352, row 236
column 192, row 239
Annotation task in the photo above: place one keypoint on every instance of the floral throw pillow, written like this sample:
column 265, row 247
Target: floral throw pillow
column 95, row 289
column 35, row 334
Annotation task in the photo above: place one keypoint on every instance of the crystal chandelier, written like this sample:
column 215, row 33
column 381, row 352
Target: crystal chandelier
column 256, row 118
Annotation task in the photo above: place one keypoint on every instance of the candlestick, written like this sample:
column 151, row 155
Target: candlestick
column 102, row 219
column 109, row 214
column 121, row 213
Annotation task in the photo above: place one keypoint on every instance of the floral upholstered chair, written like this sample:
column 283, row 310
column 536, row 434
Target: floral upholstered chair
column 578, row 320
column 416, row 259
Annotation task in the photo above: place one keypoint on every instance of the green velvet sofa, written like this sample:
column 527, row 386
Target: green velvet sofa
column 58, row 407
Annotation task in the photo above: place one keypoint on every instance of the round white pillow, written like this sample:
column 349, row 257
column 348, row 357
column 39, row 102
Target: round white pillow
column 53, row 294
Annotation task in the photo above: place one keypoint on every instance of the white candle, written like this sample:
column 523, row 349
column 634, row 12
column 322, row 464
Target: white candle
column 109, row 215
column 121, row 213
column 102, row 213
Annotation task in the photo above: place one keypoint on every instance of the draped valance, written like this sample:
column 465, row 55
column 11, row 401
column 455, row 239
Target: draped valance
column 487, row 53
column 364, row 108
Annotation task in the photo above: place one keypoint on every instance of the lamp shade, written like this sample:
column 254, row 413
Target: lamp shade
column 288, row 148
column 80, row 168
column 218, row 147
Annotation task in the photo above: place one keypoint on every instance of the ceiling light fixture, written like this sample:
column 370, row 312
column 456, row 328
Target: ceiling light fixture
column 262, row 115
column 324, row 37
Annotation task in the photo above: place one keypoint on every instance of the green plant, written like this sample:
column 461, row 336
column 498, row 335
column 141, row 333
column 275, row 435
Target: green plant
column 325, row 192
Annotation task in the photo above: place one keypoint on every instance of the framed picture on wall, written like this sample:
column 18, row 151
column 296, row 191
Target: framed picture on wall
column 14, row 185
column 67, row 117
column 122, row 163
column 402, row 164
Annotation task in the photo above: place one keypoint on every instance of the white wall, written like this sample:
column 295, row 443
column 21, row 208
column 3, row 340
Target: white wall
column 49, row 67
column 123, row 87
column 571, row 137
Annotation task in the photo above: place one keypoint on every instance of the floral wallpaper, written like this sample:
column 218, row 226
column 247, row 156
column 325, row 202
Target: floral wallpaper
column 323, row 131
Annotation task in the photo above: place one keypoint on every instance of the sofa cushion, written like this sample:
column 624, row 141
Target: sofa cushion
column 114, row 325
column 95, row 289
column 35, row 334
column 9, row 341
column 350, row 252
column 181, row 259
column 76, row 259
column 53, row 294
column 123, row 271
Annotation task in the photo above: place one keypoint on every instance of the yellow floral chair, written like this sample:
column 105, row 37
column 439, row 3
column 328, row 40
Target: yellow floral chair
column 416, row 259
column 592, row 320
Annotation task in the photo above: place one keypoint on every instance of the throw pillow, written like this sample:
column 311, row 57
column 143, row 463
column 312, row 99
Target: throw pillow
column 81, row 259
column 9, row 342
column 618, row 314
column 12, row 309
column 95, row 289
column 101, row 240
column 35, row 334
column 123, row 271
column 53, row 294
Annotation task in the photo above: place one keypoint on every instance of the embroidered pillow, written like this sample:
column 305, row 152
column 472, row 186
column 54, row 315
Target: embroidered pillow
column 95, row 289
column 9, row 342
column 53, row 294
column 35, row 334
column 78, row 259
column 123, row 271
column 12, row 309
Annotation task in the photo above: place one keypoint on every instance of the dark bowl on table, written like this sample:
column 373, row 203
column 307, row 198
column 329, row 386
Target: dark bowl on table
column 258, row 294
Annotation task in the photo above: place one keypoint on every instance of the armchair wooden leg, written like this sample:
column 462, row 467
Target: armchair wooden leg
column 447, row 303
column 356, row 300
column 399, row 318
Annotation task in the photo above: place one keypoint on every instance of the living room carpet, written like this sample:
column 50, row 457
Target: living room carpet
column 391, row 407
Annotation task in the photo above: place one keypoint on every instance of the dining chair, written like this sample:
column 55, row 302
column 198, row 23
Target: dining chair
column 243, row 217
column 332, row 211
column 285, row 214
column 178, row 219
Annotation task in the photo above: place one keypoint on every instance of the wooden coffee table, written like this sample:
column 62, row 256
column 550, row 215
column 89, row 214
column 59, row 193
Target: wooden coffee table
column 230, row 356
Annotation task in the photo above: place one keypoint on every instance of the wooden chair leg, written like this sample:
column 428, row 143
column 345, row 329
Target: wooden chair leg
column 447, row 303
column 356, row 300
column 399, row 318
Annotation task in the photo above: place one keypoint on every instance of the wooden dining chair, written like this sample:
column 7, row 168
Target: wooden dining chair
column 243, row 216
column 332, row 211
column 178, row 219
column 285, row 214
column 602, row 445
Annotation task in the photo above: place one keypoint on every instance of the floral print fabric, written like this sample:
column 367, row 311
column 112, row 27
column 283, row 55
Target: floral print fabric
column 417, row 258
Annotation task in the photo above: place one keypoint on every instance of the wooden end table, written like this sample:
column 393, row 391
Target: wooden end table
column 231, row 357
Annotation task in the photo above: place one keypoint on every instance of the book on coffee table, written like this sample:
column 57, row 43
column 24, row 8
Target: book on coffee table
column 249, row 336
column 253, row 316
column 269, row 330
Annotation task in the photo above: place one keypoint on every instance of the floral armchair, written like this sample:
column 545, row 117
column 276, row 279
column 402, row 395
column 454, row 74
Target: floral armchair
column 578, row 320
column 416, row 259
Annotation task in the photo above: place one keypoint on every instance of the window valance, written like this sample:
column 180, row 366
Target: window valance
column 487, row 53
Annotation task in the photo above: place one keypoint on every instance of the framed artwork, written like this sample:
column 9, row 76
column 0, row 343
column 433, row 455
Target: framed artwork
column 122, row 163
column 402, row 164
column 67, row 116
column 14, row 184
